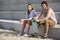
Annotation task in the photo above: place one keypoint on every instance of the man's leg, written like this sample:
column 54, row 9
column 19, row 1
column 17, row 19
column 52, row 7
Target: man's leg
column 46, row 28
column 39, row 24
column 47, row 24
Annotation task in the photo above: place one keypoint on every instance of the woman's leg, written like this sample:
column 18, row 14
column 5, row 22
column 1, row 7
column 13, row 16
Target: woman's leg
column 29, row 24
column 24, row 21
column 23, row 25
column 28, row 29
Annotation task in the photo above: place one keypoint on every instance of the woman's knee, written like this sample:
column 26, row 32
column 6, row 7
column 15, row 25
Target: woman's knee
column 25, row 21
column 29, row 22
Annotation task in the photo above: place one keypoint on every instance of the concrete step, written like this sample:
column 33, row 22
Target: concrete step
column 49, row 1
column 12, row 15
column 17, row 26
column 20, row 5
column 23, row 7
column 26, row 1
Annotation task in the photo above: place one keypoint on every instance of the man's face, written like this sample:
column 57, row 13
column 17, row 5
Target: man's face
column 44, row 6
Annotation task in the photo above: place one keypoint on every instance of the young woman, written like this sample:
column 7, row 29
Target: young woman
column 49, row 19
column 30, row 13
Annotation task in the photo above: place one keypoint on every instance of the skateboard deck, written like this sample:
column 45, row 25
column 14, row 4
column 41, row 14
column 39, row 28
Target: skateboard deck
column 34, row 24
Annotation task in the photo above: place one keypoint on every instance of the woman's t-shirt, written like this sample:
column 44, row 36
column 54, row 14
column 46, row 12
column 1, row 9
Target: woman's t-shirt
column 32, row 14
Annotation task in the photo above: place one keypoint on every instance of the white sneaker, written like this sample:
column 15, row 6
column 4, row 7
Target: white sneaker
column 25, row 35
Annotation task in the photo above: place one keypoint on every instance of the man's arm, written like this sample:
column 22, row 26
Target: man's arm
column 39, row 13
column 48, row 15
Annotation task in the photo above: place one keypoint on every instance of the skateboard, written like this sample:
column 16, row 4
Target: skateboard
column 34, row 24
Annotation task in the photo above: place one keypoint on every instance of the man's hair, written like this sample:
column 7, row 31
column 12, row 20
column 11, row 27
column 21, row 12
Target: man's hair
column 44, row 2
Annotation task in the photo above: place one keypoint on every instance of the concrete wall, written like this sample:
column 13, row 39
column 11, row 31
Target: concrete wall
column 20, row 5
column 12, row 15
column 11, row 9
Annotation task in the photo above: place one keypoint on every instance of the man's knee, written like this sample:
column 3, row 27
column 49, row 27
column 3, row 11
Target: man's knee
column 46, row 21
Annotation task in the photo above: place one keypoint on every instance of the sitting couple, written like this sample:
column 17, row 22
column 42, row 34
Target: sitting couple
column 49, row 19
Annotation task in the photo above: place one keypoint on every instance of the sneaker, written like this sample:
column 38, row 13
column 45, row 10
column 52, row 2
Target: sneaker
column 19, row 34
column 26, row 35
column 35, row 35
column 45, row 37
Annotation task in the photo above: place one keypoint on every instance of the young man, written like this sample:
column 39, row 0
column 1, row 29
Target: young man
column 49, row 19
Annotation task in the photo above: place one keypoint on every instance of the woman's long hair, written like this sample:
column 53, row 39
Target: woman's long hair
column 28, row 12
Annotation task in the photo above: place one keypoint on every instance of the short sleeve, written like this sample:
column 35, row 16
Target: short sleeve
column 26, row 15
column 35, row 14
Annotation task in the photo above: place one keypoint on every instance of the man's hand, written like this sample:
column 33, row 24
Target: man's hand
column 37, row 20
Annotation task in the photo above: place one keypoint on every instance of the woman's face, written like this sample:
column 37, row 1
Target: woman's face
column 44, row 6
column 29, row 7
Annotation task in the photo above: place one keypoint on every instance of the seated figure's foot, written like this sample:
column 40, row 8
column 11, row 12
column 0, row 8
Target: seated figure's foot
column 26, row 35
column 45, row 37
column 19, row 34
column 35, row 35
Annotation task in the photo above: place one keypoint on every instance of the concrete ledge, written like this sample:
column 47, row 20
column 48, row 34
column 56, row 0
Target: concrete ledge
column 17, row 22
column 9, row 21
column 7, row 24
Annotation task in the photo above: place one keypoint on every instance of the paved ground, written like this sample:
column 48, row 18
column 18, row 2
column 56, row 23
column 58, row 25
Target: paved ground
column 11, row 35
